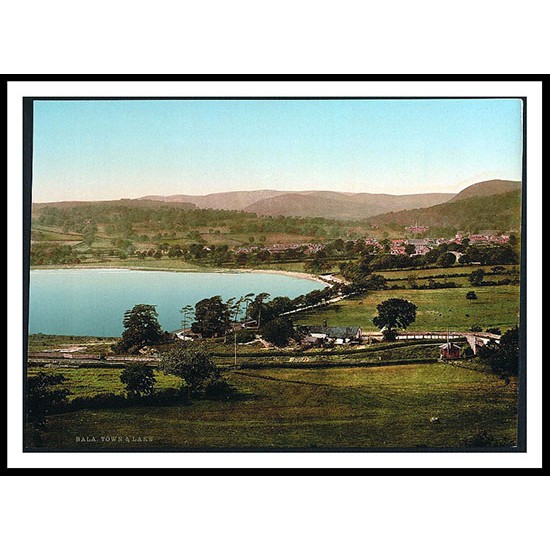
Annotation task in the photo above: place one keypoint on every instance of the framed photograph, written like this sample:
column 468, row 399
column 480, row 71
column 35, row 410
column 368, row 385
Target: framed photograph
column 285, row 273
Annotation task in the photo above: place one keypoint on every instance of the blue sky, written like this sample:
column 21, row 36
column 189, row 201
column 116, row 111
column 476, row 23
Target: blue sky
column 94, row 150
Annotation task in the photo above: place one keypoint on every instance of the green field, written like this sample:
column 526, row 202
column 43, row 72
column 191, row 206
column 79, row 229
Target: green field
column 438, row 309
column 87, row 382
column 377, row 407
column 451, row 272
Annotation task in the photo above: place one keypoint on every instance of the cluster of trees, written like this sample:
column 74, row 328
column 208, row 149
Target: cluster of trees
column 214, row 317
column 190, row 363
column 125, row 217
column 311, row 227
column 196, row 368
column 381, row 260
column 490, row 255
column 45, row 392
column 361, row 277
column 441, row 256
column 44, row 253
column 44, row 395
column 135, row 219
column 503, row 357
column 319, row 264
column 338, row 250
column 477, row 278
column 257, row 257
column 279, row 331
column 431, row 284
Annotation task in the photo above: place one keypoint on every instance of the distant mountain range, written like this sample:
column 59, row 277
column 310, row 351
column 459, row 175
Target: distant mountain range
column 230, row 200
column 332, row 204
column 493, row 204
column 324, row 204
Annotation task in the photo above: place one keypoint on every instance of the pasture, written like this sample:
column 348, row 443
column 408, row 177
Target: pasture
column 87, row 382
column 301, row 408
column 453, row 271
column 438, row 309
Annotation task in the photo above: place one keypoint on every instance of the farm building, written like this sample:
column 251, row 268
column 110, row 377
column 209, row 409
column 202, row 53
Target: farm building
column 449, row 351
column 333, row 335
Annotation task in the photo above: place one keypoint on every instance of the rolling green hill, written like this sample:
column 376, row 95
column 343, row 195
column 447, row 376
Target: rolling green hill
column 487, row 188
column 501, row 212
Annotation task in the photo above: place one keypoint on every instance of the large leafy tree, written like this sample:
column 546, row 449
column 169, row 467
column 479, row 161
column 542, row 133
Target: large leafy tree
column 212, row 317
column 45, row 394
column 476, row 277
column 278, row 331
column 503, row 357
column 193, row 365
column 446, row 259
column 393, row 314
column 138, row 380
column 141, row 328
column 318, row 265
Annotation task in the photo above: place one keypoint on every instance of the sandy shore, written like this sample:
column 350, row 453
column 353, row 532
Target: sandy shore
column 295, row 274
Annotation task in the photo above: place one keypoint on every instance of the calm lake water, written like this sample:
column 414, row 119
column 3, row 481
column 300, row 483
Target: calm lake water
column 92, row 302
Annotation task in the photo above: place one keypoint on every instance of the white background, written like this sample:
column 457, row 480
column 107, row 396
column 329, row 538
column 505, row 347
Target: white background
column 283, row 37
column 266, row 512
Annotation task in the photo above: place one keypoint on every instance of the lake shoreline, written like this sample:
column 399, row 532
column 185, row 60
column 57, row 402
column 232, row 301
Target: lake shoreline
column 295, row 274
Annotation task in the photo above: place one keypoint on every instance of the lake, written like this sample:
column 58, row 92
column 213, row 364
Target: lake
column 92, row 302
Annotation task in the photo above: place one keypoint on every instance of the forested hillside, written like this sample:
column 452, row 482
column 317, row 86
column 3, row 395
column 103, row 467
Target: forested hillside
column 500, row 212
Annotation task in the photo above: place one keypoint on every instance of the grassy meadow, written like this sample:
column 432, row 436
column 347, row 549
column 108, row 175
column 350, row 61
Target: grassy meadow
column 456, row 273
column 438, row 309
column 87, row 382
column 324, row 408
